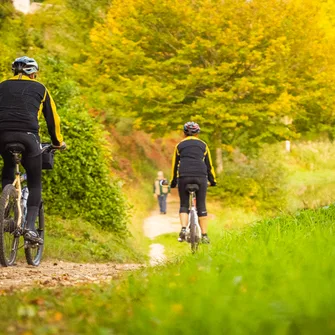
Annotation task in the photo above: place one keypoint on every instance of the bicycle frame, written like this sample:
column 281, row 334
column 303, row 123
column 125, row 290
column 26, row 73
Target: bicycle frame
column 17, row 185
column 9, row 246
column 17, row 182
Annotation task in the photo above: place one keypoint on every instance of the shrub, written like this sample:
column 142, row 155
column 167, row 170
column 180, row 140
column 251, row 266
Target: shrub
column 313, row 155
column 81, row 183
column 257, row 183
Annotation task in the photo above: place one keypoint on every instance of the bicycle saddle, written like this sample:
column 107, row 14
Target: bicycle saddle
column 192, row 187
column 15, row 147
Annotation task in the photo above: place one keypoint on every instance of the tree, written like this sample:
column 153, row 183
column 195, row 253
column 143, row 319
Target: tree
column 239, row 68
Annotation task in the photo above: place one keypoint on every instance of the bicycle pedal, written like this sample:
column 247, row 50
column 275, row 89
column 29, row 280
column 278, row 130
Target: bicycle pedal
column 17, row 233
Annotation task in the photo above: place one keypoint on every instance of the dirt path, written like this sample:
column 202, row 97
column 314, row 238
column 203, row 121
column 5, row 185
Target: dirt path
column 58, row 273
column 157, row 224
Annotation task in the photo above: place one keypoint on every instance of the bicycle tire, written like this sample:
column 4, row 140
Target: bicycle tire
column 34, row 254
column 9, row 241
column 193, row 232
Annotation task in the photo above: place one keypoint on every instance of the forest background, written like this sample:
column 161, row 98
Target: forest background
column 127, row 75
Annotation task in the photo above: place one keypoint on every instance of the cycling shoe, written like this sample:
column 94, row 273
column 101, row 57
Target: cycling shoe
column 32, row 236
column 182, row 235
column 205, row 239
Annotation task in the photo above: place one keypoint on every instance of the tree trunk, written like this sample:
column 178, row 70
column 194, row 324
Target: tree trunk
column 288, row 146
column 218, row 152
column 219, row 160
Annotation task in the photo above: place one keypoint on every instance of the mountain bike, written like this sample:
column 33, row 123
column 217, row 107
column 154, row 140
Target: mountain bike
column 13, row 212
column 193, row 230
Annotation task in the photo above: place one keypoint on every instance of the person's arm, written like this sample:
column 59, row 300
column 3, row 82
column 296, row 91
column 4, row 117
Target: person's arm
column 155, row 194
column 52, row 119
column 175, row 165
column 210, row 167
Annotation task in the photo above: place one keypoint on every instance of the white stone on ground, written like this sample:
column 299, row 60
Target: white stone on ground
column 156, row 254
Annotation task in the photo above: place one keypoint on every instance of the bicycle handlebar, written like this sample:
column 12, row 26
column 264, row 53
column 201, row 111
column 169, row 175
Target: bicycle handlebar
column 50, row 147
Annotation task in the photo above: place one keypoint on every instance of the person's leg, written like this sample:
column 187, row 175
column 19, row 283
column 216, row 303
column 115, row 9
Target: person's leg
column 201, row 206
column 160, row 200
column 203, row 221
column 184, row 205
column 33, row 167
column 164, row 203
column 183, row 219
column 184, row 201
column 8, row 170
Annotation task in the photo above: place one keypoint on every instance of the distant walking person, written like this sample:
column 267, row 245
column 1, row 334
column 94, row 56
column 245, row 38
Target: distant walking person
column 161, row 191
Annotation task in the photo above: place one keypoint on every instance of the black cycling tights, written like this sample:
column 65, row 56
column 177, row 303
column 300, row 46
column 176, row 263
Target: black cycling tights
column 30, row 161
column 200, row 195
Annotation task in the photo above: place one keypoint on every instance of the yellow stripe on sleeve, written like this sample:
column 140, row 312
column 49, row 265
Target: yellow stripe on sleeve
column 41, row 105
column 210, row 162
column 56, row 119
column 174, row 160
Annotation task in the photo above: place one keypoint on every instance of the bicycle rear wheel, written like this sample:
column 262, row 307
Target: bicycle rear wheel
column 9, row 214
column 34, row 252
column 194, row 238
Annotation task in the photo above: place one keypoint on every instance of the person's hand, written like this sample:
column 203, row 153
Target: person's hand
column 155, row 195
column 213, row 184
column 173, row 184
column 62, row 146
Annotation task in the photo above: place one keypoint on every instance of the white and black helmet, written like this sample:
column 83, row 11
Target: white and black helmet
column 24, row 65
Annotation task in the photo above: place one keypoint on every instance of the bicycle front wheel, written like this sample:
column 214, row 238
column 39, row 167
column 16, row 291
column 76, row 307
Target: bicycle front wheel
column 9, row 214
column 34, row 252
column 194, row 238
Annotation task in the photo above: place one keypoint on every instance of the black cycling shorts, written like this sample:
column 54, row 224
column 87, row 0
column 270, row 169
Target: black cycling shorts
column 200, row 195
column 30, row 141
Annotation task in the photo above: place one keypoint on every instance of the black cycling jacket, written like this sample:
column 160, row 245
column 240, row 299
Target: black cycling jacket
column 192, row 158
column 22, row 100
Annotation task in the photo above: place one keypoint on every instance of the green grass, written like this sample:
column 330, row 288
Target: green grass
column 225, row 218
column 80, row 241
column 173, row 248
column 142, row 202
column 276, row 276
column 311, row 189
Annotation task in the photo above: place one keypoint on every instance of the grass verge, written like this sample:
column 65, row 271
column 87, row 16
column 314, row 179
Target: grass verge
column 80, row 241
column 273, row 277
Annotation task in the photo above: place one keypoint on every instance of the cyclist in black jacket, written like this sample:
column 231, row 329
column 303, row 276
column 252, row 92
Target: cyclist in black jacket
column 192, row 164
column 22, row 101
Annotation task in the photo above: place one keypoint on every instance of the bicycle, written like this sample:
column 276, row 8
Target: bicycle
column 193, row 230
column 13, row 212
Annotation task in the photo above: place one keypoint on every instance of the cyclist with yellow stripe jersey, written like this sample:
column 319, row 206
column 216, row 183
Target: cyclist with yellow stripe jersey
column 22, row 101
column 192, row 164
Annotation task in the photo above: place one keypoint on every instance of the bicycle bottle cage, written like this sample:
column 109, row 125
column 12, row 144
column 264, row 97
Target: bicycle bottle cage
column 192, row 187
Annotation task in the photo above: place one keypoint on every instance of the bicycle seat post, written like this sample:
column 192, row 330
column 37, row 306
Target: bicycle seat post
column 17, row 160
